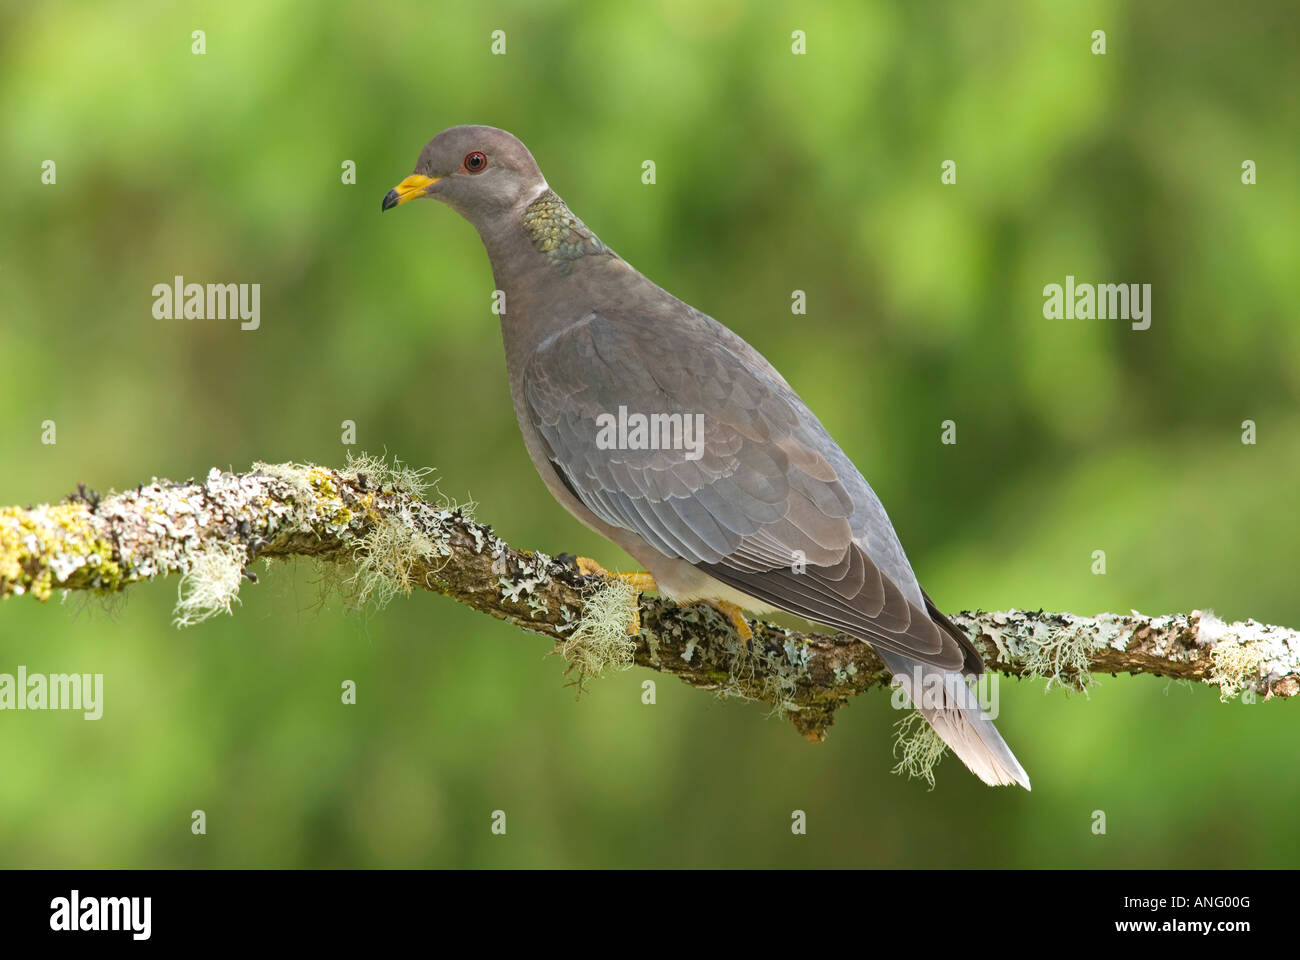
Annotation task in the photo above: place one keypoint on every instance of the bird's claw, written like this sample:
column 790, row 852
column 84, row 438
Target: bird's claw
column 736, row 617
column 639, row 580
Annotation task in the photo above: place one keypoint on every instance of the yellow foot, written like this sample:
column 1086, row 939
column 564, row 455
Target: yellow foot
column 640, row 581
column 737, row 617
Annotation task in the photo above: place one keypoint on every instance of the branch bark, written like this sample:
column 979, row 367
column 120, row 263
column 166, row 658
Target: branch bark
column 371, row 521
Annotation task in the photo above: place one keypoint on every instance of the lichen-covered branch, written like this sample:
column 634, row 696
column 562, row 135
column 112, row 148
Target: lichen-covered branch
column 370, row 523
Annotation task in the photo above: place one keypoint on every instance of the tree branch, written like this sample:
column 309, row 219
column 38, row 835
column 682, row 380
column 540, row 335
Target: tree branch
column 370, row 523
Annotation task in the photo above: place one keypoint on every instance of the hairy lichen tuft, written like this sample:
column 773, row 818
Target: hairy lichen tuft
column 375, row 471
column 600, row 641
column 210, row 583
column 1062, row 658
column 920, row 747
column 386, row 560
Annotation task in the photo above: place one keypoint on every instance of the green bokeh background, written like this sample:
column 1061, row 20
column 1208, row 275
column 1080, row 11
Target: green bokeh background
column 775, row 172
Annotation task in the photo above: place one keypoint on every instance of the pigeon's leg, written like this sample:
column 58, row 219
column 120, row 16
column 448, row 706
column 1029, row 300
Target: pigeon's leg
column 639, row 580
column 736, row 615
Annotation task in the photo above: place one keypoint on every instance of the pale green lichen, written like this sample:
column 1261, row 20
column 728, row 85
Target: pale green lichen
column 1245, row 653
column 294, row 474
column 797, row 654
column 781, row 681
column 1059, row 652
column 1061, row 658
column 742, row 674
column 522, row 576
column 567, row 620
column 375, row 471
column 210, row 583
column 515, row 592
column 600, row 641
column 386, row 559
column 757, row 669
column 778, row 689
column 1236, row 667
column 920, row 746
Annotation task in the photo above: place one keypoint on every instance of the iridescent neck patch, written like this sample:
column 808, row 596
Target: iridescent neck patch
column 556, row 232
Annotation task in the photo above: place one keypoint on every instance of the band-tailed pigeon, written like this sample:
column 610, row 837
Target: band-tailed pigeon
column 661, row 429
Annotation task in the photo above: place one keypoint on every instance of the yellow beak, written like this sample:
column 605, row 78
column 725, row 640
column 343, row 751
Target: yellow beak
column 416, row 185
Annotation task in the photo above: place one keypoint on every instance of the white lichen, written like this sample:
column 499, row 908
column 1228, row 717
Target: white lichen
column 210, row 583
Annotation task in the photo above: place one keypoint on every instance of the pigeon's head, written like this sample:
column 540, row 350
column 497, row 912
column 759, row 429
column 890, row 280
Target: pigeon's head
column 480, row 172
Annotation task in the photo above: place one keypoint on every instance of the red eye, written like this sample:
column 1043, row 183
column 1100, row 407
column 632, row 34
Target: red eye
column 475, row 161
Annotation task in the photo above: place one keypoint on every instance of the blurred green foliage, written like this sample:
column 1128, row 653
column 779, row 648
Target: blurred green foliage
column 775, row 172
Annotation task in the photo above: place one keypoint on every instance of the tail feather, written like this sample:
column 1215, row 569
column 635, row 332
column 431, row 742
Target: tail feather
column 952, row 708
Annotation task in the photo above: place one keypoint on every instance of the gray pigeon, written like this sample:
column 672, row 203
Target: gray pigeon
column 665, row 432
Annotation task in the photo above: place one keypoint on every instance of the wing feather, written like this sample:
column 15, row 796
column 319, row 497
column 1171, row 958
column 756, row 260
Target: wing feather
column 763, row 493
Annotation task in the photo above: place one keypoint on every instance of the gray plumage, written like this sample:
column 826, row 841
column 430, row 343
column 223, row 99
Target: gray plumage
column 764, row 511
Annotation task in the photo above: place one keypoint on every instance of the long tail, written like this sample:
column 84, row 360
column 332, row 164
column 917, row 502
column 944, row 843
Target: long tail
column 954, row 711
